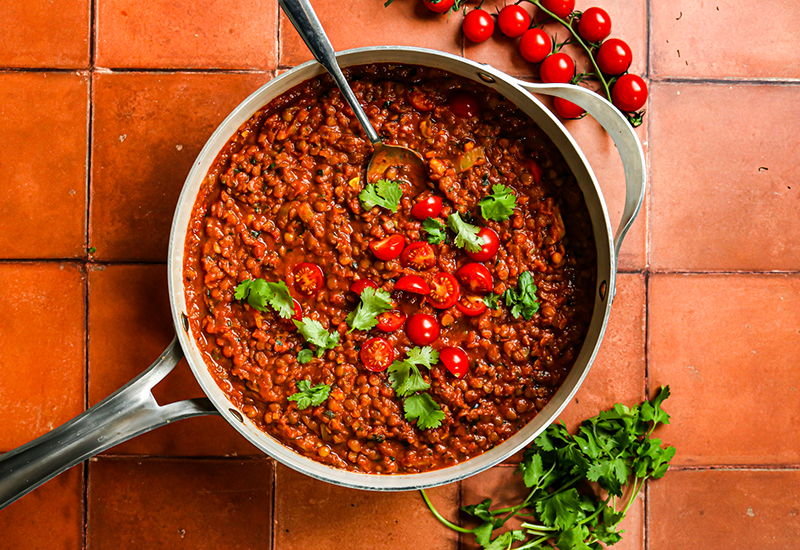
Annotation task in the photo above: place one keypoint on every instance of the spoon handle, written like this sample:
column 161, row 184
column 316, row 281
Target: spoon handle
column 303, row 18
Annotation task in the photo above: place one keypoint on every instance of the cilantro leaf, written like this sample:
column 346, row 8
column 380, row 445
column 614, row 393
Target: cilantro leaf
column 304, row 356
column 466, row 234
column 259, row 293
column 373, row 303
column 435, row 230
column 315, row 333
column 499, row 205
column 385, row 193
column 504, row 541
column 405, row 375
column 522, row 300
column 491, row 300
column 422, row 408
column 307, row 396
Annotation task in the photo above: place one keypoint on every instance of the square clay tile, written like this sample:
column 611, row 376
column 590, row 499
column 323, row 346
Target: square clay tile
column 44, row 124
column 165, row 504
column 727, row 346
column 162, row 34
column 39, row 34
column 724, row 510
column 147, row 132
column 129, row 326
column 720, row 39
column 365, row 520
column 725, row 194
column 42, row 353
column 356, row 24
column 50, row 516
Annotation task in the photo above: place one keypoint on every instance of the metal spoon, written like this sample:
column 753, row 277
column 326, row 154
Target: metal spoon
column 411, row 165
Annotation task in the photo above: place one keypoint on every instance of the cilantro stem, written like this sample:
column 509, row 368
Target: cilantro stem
column 438, row 516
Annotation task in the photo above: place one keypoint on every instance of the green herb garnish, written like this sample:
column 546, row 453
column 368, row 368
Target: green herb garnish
column 422, row 408
column 306, row 396
column 385, row 193
column 491, row 300
column 304, row 356
column 499, row 205
column 315, row 333
column 405, row 376
column 373, row 303
column 522, row 300
column 259, row 293
column 435, row 230
column 466, row 234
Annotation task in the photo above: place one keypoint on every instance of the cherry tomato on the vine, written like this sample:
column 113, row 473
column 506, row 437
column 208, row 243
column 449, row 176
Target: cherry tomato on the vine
column 377, row 354
column 614, row 56
column 438, row 6
column 359, row 285
column 558, row 67
column 535, row 45
column 561, row 8
column 478, row 25
column 471, row 305
column 444, row 291
column 422, row 329
column 418, row 255
column 629, row 93
column 455, row 360
column 429, row 207
column 388, row 248
column 567, row 109
column 463, row 104
column 595, row 25
column 476, row 277
column 513, row 20
column 420, row 100
column 490, row 245
column 307, row 278
column 390, row 321
column 412, row 283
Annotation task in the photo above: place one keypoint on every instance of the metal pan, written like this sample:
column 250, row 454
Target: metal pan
column 132, row 410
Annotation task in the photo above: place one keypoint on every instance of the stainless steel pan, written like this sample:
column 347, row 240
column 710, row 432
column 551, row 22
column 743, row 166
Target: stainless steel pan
column 132, row 410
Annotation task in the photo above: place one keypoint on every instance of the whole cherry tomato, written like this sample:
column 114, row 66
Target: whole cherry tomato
column 513, row 20
column 422, row 329
column 412, row 283
column 595, row 24
column 390, row 321
column 444, row 291
column 463, row 104
column 429, row 207
column 420, row 100
column 557, row 67
column 388, row 248
column 490, row 245
column 561, row 8
column 418, row 255
column 438, row 6
column 455, row 360
column 614, row 56
column 535, row 45
column 307, row 279
column 471, row 305
column 476, row 277
column 478, row 25
column 567, row 109
column 377, row 354
column 359, row 286
column 629, row 93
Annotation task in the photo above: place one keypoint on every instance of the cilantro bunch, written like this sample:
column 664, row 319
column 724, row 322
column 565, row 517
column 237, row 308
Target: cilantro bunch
column 614, row 449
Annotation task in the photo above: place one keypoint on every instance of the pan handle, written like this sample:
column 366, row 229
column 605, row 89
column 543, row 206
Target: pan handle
column 129, row 412
column 628, row 145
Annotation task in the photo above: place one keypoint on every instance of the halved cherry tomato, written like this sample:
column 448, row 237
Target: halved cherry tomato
column 297, row 315
column 535, row 170
column 391, row 320
column 444, row 291
column 307, row 278
column 455, row 360
column 359, row 285
column 429, row 207
column 471, row 305
column 420, row 100
column 388, row 248
column 463, row 104
column 490, row 245
column 476, row 277
column 412, row 283
column 377, row 354
column 422, row 329
column 419, row 256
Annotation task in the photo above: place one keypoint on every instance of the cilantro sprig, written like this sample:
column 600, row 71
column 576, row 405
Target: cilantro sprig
column 499, row 205
column 308, row 396
column 373, row 303
column 466, row 234
column 385, row 193
column 315, row 333
column 407, row 381
column 614, row 449
column 522, row 300
column 259, row 293
column 435, row 230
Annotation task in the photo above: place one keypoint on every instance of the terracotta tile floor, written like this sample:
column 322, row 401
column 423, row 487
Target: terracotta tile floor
column 104, row 105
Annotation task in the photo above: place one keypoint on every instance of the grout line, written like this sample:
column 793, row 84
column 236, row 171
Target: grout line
column 646, row 492
column 278, row 32
column 723, row 80
column 274, row 504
